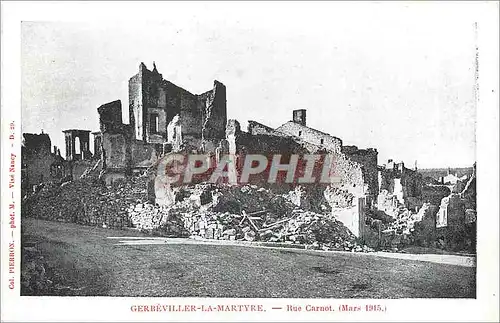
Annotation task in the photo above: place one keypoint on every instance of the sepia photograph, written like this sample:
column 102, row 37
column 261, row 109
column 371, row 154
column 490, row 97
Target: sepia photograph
column 314, row 153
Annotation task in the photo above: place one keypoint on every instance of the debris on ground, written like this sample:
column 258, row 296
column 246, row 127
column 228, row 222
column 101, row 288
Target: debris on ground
column 246, row 213
column 86, row 201
column 34, row 278
column 209, row 211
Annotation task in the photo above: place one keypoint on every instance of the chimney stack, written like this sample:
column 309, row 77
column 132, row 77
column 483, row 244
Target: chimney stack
column 299, row 116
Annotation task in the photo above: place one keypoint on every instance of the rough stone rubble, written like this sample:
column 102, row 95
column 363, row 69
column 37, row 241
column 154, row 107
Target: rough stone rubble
column 243, row 213
column 206, row 211
column 248, row 213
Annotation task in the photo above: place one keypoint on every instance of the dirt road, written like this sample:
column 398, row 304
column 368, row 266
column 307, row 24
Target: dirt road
column 97, row 261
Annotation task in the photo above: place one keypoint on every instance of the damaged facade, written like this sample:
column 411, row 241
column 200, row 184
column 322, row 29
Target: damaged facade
column 77, row 144
column 456, row 217
column 399, row 186
column 39, row 163
column 163, row 117
column 154, row 104
column 459, row 207
column 356, row 169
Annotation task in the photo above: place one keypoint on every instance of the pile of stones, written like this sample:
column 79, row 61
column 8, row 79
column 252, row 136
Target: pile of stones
column 86, row 201
column 223, row 212
column 208, row 212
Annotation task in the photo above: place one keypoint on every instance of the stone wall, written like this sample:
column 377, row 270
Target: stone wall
column 311, row 135
column 144, row 155
column 256, row 128
column 116, row 154
column 185, row 104
column 454, row 206
column 214, row 112
column 38, row 166
column 120, row 150
column 405, row 183
column 39, row 163
column 261, row 140
column 367, row 158
column 352, row 215
column 434, row 193
column 388, row 203
column 243, row 143
column 456, row 218
column 455, row 230
column 200, row 116
column 451, row 211
column 136, row 105
column 425, row 232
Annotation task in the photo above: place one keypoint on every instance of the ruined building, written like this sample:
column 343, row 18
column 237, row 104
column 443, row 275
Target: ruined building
column 166, row 118
column 356, row 168
column 154, row 103
column 459, row 207
column 77, row 144
column 39, row 163
column 399, row 187
column 163, row 117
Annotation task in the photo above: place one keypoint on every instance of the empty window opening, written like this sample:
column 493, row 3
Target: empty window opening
column 154, row 123
column 77, row 146
column 300, row 133
column 322, row 141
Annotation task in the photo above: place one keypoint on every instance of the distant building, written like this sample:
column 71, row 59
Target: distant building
column 452, row 179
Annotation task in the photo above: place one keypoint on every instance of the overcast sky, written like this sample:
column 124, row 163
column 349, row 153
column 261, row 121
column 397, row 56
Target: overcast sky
column 396, row 78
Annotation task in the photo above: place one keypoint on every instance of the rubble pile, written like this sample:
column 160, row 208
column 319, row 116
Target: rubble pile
column 86, row 201
column 208, row 211
column 339, row 197
column 246, row 213
column 394, row 220
column 319, row 232
column 404, row 223
column 250, row 198
column 409, row 228
column 161, row 220
column 93, row 170
column 146, row 216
